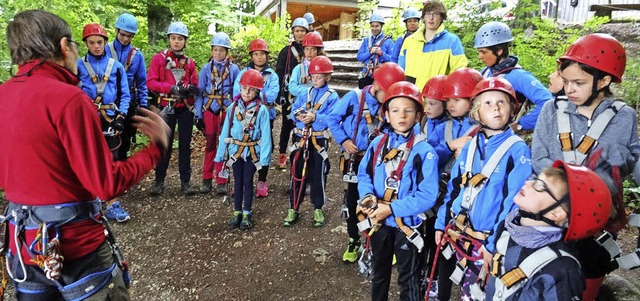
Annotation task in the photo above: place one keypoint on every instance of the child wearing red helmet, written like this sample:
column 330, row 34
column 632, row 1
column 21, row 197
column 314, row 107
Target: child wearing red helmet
column 310, row 141
column 396, row 181
column 587, row 126
column 533, row 261
column 485, row 178
column 434, row 104
column 245, row 145
column 450, row 136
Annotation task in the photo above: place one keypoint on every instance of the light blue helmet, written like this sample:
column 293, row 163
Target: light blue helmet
column 127, row 22
column 301, row 22
column 410, row 13
column 492, row 33
column 178, row 28
column 221, row 39
column 309, row 17
column 375, row 17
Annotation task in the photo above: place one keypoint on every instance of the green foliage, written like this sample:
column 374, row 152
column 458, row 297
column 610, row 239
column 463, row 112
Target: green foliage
column 394, row 26
column 365, row 9
column 275, row 33
column 631, row 195
column 629, row 89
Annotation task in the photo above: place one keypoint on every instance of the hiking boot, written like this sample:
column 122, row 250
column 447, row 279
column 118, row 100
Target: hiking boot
column 221, row 188
column 282, row 161
column 318, row 218
column 246, row 221
column 351, row 254
column 292, row 218
column 263, row 189
column 207, row 185
column 115, row 211
column 186, row 189
column 235, row 220
column 157, row 188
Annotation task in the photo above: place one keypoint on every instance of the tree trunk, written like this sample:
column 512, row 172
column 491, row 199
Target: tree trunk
column 159, row 17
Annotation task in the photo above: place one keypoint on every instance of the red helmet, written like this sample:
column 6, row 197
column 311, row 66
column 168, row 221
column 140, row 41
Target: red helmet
column 495, row 84
column 460, row 83
column 589, row 201
column 600, row 51
column 434, row 88
column 258, row 45
column 388, row 74
column 312, row 39
column 93, row 29
column 403, row 89
column 320, row 64
column 252, row 78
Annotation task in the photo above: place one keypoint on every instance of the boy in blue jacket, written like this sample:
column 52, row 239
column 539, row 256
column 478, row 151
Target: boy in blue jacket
column 532, row 259
column 490, row 170
column 434, row 104
column 411, row 18
column 259, row 51
column 375, row 50
column 397, row 182
column 354, row 122
column 449, row 137
column 105, row 81
column 245, row 144
column 215, row 95
column 309, row 149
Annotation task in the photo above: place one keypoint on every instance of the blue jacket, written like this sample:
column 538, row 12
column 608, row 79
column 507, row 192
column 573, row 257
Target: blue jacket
column 320, row 123
column 525, row 84
column 296, row 87
column 261, row 131
column 99, row 66
column 343, row 117
column 495, row 201
column 206, row 85
column 436, row 137
column 432, row 124
column 365, row 57
column 397, row 46
column 269, row 93
column 561, row 279
column 137, row 72
column 418, row 187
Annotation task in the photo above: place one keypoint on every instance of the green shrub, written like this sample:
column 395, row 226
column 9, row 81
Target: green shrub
column 275, row 33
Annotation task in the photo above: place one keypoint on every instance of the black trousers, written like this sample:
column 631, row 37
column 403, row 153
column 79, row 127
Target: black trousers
column 351, row 197
column 243, row 184
column 386, row 242
column 184, row 119
column 315, row 176
column 285, row 128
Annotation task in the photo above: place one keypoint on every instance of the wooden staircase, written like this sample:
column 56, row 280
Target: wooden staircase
column 343, row 54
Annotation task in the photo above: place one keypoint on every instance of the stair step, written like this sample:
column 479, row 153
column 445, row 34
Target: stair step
column 348, row 76
column 350, row 57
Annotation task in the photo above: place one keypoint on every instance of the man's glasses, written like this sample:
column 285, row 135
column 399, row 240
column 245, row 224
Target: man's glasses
column 125, row 35
column 431, row 14
column 74, row 43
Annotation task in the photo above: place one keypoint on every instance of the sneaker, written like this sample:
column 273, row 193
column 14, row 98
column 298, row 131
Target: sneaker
column 221, row 188
column 282, row 161
column 318, row 218
column 207, row 185
column 246, row 221
column 187, row 189
column 157, row 188
column 394, row 260
column 263, row 189
column 292, row 218
column 351, row 254
column 115, row 211
column 235, row 220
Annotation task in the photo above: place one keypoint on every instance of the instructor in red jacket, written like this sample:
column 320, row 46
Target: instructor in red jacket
column 55, row 167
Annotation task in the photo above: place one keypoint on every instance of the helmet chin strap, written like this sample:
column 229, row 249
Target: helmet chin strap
column 540, row 215
column 179, row 53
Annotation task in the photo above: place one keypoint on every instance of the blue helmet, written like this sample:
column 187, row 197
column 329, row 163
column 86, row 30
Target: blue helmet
column 221, row 39
column 178, row 28
column 375, row 17
column 127, row 22
column 492, row 33
column 410, row 13
column 309, row 17
column 301, row 22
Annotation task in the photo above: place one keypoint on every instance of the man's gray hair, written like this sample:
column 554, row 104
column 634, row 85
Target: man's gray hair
column 36, row 34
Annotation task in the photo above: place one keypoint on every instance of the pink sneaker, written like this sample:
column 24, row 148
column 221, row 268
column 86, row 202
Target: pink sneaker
column 263, row 189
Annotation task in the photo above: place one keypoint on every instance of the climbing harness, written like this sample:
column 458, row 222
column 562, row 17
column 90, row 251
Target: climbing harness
column 130, row 55
column 374, row 60
column 217, row 87
column 100, row 84
column 178, row 71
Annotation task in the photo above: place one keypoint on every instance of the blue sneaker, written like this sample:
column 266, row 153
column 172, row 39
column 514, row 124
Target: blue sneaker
column 116, row 212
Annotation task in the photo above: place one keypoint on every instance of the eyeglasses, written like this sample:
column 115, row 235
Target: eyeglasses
column 540, row 186
column 124, row 35
column 431, row 14
column 74, row 43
